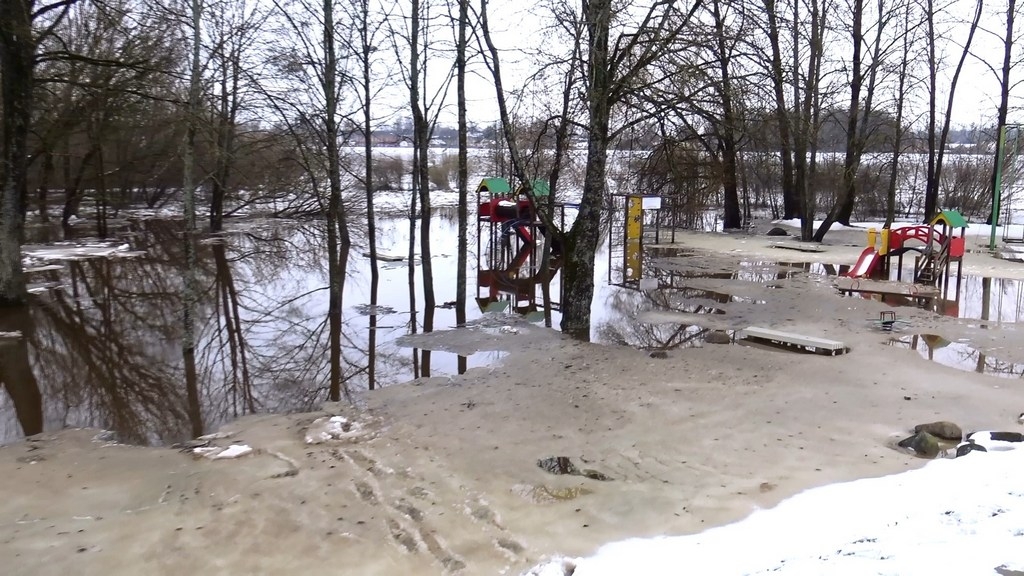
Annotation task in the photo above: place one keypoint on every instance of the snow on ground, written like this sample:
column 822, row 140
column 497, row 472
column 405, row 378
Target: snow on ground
column 962, row 516
column 973, row 229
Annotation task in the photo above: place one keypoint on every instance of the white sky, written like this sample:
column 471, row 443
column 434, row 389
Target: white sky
column 514, row 26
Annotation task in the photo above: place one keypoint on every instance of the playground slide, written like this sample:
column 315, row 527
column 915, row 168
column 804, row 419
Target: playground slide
column 865, row 264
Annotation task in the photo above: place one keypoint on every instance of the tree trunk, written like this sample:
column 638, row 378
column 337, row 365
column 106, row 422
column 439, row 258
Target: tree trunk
column 366, row 50
column 727, row 132
column 421, row 172
column 807, row 138
column 1004, row 97
column 791, row 204
column 518, row 167
column 583, row 239
column 44, row 186
column 17, row 53
column 933, row 191
column 338, row 241
column 901, row 97
column 846, row 209
column 463, row 169
column 553, row 245
column 851, row 162
column 190, row 287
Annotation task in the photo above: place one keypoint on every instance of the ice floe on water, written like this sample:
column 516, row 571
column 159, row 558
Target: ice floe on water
column 953, row 516
column 34, row 253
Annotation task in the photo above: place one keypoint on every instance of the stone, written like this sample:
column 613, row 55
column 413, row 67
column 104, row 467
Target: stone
column 563, row 465
column 595, row 475
column 943, row 430
column 558, row 465
column 923, row 444
column 718, row 337
column 658, row 354
column 778, row 232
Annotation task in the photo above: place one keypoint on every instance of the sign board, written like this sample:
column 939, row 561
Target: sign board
column 652, row 203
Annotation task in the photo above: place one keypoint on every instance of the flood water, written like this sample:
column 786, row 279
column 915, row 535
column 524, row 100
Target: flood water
column 102, row 345
column 102, row 340
column 102, row 336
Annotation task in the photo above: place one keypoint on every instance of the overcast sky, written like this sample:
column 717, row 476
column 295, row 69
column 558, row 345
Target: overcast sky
column 514, row 27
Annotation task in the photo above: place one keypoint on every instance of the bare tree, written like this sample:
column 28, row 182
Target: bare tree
column 363, row 44
column 851, row 160
column 463, row 170
column 234, row 29
column 310, row 55
column 190, row 289
column 901, row 97
column 937, row 141
column 727, row 128
column 1004, row 96
column 791, row 200
column 18, row 42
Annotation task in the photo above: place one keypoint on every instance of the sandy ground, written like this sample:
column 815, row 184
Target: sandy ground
column 444, row 478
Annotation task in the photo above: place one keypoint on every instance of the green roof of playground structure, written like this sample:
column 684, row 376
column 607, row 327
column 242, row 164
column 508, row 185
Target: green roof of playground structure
column 494, row 186
column 501, row 187
column 541, row 188
column 952, row 218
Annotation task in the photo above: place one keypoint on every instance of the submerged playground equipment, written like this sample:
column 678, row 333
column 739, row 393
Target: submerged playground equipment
column 510, row 248
column 937, row 247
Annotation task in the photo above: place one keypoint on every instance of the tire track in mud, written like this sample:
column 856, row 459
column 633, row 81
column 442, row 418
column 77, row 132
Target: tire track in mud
column 416, row 517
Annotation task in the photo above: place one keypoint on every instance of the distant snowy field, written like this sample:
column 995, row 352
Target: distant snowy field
column 962, row 516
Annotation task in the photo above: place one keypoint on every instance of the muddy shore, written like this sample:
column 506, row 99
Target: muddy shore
column 443, row 478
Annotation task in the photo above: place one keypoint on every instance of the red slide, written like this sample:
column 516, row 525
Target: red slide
column 865, row 264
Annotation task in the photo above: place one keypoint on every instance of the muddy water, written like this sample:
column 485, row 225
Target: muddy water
column 102, row 344
column 102, row 335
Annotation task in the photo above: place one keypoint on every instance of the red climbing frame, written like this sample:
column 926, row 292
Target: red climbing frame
column 925, row 234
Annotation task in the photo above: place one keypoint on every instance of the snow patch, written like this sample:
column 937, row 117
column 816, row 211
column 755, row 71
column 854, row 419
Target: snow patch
column 332, row 428
column 962, row 516
column 233, row 451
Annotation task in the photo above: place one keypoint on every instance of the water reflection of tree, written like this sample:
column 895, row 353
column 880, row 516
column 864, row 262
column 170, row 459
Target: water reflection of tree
column 675, row 295
column 16, row 375
column 105, row 348
column 623, row 329
column 105, row 345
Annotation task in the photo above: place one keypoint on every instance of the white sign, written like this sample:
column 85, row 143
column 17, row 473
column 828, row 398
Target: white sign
column 651, row 203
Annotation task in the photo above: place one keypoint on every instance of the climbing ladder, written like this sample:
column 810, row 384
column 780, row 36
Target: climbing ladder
column 929, row 267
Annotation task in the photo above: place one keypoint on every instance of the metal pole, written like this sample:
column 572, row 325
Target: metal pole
column 997, row 191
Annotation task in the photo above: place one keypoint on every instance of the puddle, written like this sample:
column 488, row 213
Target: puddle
column 958, row 355
column 979, row 298
column 547, row 494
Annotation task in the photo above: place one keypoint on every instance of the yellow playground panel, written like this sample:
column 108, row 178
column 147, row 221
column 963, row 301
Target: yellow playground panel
column 634, row 232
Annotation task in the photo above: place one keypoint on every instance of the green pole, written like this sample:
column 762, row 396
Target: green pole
column 998, row 187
